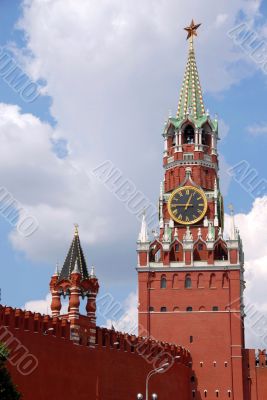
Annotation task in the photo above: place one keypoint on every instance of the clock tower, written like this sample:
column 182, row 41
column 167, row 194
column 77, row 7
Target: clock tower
column 190, row 277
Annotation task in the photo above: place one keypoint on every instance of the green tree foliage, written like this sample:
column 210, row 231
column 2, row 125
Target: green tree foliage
column 8, row 390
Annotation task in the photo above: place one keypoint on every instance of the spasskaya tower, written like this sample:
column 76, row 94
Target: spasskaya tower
column 190, row 276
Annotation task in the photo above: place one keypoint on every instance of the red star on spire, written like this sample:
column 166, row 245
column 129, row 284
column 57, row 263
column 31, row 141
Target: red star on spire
column 192, row 29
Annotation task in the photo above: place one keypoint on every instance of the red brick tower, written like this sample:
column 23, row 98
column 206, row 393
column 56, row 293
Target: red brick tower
column 74, row 281
column 190, row 277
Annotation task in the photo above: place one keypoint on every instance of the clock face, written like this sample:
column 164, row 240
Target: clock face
column 187, row 205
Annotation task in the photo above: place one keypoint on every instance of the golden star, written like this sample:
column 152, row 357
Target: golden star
column 192, row 29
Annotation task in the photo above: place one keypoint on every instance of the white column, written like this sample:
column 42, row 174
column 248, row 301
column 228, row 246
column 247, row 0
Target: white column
column 200, row 147
column 196, row 139
column 213, row 143
column 165, row 146
column 176, row 141
column 180, row 141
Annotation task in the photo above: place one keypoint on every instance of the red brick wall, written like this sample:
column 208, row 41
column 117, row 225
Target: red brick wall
column 69, row 371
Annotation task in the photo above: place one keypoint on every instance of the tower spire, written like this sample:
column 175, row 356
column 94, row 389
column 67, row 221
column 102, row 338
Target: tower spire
column 191, row 100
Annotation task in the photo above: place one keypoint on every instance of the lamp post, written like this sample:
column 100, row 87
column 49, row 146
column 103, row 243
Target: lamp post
column 153, row 372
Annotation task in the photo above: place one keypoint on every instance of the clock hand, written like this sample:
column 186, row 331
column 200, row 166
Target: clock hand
column 182, row 205
column 187, row 204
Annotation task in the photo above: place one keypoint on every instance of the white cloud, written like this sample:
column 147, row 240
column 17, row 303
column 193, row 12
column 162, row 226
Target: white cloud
column 43, row 306
column 128, row 319
column 56, row 192
column 258, row 129
column 103, row 65
column 40, row 306
column 253, row 231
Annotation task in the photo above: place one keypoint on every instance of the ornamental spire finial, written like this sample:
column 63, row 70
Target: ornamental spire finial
column 76, row 231
column 192, row 29
column 191, row 100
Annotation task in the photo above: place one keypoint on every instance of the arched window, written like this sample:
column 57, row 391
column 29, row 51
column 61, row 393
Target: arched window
column 189, row 134
column 202, row 308
column 200, row 253
column 175, row 282
column 229, row 393
column 163, row 282
column 225, row 281
column 176, row 252
column 189, row 308
column 200, row 281
column 212, row 281
column 163, row 309
column 188, row 282
column 217, row 393
column 206, row 135
column 220, row 252
column 155, row 252
column 175, row 309
column 205, row 393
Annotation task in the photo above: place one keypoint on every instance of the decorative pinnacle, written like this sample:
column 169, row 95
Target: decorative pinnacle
column 92, row 272
column 76, row 231
column 231, row 208
column 56, row 273
column 191, row 30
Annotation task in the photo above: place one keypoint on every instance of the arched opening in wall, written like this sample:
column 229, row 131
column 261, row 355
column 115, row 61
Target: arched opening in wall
column 225, row 281
column 199, row 253
column 188, row 282
column 206, row 136
column 163, row 282
column 163, row 309
column 175, row 309
column 64, row 298
column 175, row 282
column 217, row 393
column 205, row 393
column 202, row 308
column 189, row 308
column 229, row 393
column 188, row 134
column 200, row 281
column 212, row 281
column 176, row 252
column 155, row 253
column 220, row 252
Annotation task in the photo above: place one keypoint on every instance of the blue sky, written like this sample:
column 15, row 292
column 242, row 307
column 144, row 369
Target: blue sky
column 106, row 97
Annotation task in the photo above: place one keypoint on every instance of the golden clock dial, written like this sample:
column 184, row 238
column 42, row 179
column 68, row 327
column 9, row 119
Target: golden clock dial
column 187, row 205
